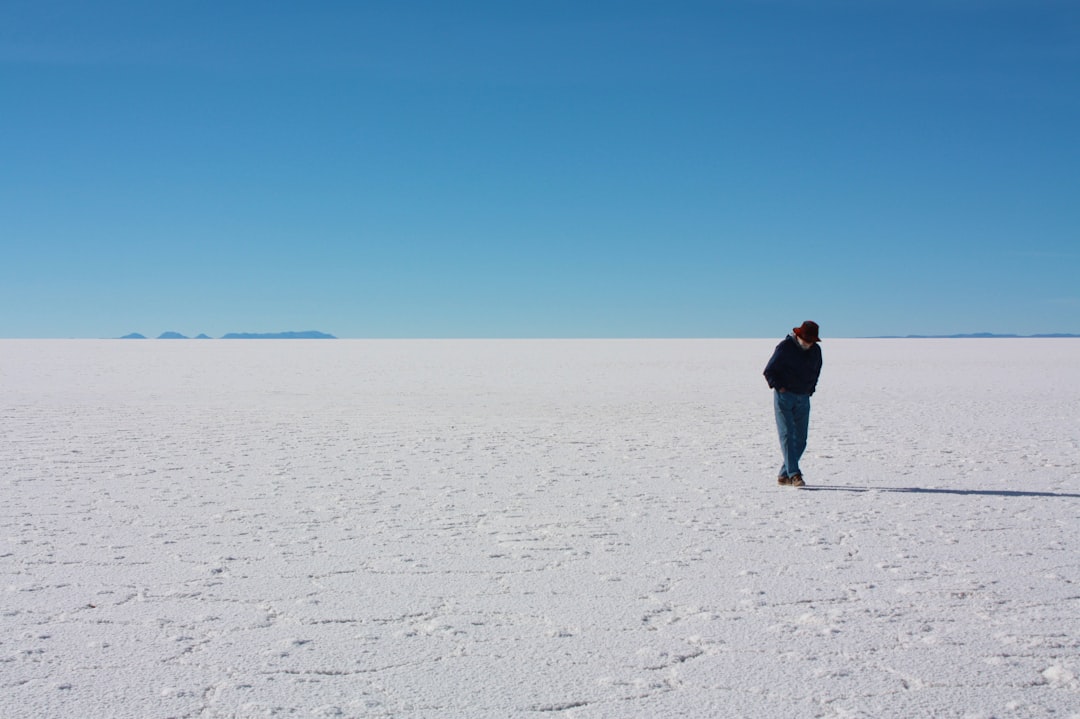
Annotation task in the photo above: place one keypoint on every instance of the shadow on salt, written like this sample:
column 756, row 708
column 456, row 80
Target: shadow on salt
column 922, row 490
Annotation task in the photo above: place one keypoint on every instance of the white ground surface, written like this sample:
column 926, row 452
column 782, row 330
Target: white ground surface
column 529, row 529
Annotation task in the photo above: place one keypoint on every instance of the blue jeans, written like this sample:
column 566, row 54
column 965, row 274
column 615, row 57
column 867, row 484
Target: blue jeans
column 792, row 422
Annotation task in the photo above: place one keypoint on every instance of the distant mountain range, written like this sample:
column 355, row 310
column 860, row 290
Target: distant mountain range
column 976, row 335
column 308, row 335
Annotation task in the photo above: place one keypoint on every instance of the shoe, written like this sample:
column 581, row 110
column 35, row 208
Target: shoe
column 796, row 480
column 783, row 480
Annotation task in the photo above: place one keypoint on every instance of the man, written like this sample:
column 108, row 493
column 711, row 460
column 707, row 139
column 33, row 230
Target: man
column 792, row 373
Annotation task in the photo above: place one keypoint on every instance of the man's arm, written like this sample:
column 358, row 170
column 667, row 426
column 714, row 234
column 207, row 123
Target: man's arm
column 770, row 369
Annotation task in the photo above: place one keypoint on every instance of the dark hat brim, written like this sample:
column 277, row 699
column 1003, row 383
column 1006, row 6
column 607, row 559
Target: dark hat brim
column 800, row 332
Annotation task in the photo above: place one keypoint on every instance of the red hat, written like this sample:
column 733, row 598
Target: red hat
column 807, row 331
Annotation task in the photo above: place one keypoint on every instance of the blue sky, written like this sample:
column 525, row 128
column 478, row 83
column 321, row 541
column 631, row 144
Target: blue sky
column 539, row 169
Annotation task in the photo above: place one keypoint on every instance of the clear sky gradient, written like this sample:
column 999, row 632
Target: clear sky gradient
column 539, row 169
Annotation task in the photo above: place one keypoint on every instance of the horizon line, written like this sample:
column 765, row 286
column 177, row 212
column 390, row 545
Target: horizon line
column 825, row 340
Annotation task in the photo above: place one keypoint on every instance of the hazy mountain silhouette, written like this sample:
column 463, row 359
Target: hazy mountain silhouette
column 974, row 335
column 308, row 335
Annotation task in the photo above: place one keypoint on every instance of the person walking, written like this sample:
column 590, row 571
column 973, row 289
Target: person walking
column 792, row 373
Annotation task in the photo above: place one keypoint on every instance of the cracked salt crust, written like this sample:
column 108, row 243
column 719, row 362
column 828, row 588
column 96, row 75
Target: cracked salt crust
column 490, row 529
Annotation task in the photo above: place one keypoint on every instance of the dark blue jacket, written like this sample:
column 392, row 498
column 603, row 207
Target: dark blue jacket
column 793, row 369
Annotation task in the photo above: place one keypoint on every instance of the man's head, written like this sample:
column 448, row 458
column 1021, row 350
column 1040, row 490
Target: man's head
column 807, row 332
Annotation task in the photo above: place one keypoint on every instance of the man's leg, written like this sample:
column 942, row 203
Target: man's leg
column 785, row 427
column 800, row 416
